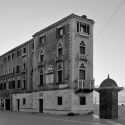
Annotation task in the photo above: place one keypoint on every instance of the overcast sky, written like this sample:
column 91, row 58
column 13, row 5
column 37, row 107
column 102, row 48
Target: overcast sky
column 20, row 19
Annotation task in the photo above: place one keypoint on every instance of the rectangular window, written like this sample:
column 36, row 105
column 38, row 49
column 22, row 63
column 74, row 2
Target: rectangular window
column 42, row 39
column 18, row 69
column 82, row 74
column 4, row 86
column 60, row 51
column 10, row 85
column 83, row 28
column 24, row 84
column 24, row 50
column 82, row 100
column 13, row 55
column 82, row 50
column 24, row 101
column 18, row 53
column 60, row 32
column 13, row 84
column 18, row 84
column 41, row 79
column 41, row 57
column 59, row 100
column 9, row 57
column 60, row 76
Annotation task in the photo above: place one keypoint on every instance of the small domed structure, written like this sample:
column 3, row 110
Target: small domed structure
column 108, row 83
column 108, row 98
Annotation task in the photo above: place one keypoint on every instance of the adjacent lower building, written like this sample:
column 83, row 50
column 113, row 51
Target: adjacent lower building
column 59, row 70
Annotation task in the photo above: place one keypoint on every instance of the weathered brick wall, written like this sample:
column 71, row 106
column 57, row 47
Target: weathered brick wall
column 50, row 52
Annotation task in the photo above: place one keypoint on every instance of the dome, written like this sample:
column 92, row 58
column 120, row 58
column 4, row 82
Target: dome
column 108, row 83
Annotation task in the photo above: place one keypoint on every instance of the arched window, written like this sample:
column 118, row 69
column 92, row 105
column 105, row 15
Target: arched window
column 41, row 56
column 82, row 72
column 60, row 49
column 82, row 47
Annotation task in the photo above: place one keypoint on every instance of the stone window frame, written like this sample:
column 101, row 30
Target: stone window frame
column 82, row 44
column 81, row 67
column 82, row 100
column 41, row 72
column 59, row 46
column 80, row 25
column 41, row 52
column 42, row 39
column 59, row 68
column 59, row 100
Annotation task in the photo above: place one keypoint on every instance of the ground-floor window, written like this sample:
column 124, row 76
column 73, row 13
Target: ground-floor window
column 82, row 100
column 59, row 100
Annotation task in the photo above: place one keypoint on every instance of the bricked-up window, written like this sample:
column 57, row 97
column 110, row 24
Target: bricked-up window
column 82, row 47
column 82, row 100
column 60, row 32
column 18, row 84
column 18, row 53
column 59, row 100
column 83, row 28
column 24, row 101
column 9, row 57
column 82, row 72
column 42, row 39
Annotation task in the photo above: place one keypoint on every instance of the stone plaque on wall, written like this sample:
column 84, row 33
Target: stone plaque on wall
column 49, row 78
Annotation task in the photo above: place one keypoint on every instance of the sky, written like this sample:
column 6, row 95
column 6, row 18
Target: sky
column 20, row 19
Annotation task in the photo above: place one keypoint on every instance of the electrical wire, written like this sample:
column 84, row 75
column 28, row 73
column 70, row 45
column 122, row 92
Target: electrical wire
column 109, row 20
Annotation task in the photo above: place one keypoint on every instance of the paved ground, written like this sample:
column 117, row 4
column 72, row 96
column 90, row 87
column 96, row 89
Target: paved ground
column 18, row 118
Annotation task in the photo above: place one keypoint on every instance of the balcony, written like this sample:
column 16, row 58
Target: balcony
column 41, row 64
column 59, row 58
column 83, row 57
column 84, row 34
column 84, row 86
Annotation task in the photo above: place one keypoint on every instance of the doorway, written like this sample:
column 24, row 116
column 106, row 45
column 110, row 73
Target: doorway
column 7, row 104
column 41, row 105
column 18, row 104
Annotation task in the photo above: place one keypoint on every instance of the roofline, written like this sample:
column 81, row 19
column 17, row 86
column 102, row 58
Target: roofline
column 21, row 45
column 60, row 21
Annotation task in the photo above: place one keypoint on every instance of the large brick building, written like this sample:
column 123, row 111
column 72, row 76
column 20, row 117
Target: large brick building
column 55, row 70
